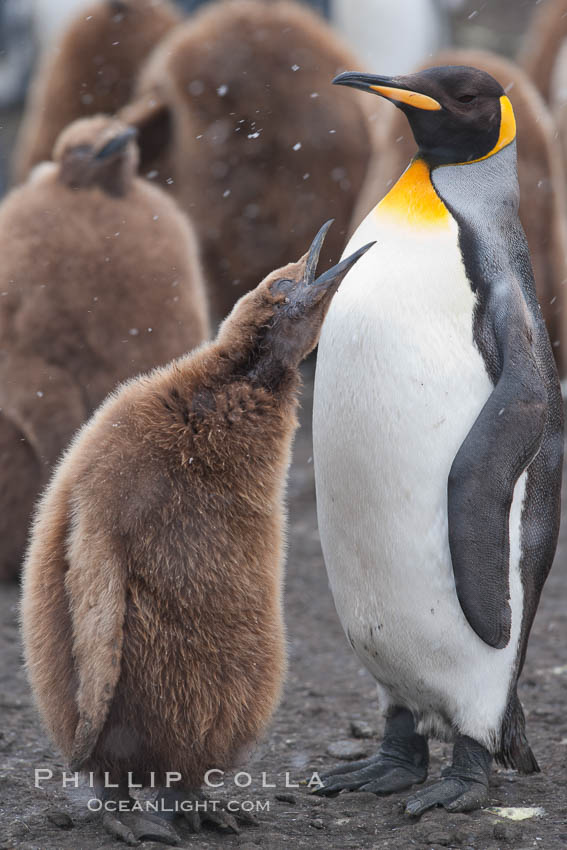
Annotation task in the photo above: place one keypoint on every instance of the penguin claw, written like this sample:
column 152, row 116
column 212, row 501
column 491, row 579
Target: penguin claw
column 379, row 775
column 353, row 766
column 133, row 828
column 215, row 815
column 455, row 795
column 119, row 830
column 397, row 779
column 219, row 819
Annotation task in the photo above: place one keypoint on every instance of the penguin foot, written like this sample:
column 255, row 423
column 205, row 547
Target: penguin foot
column 199, row 810
column 464, row 786
column 132, row 828
column 380, row 775
column 455, row 795
column 403, row 761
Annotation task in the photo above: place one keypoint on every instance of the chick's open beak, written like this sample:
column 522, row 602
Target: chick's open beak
column 330, row 280
column 392, row 88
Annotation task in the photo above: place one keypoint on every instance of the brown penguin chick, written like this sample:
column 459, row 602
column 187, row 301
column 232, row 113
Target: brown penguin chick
column 543, row 43
column 541, row 173
column 90, row 70
column 100, row 279
column 259, row 143
column 151, row 609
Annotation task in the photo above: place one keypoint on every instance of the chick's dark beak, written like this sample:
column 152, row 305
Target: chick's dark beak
column 394, row 89
column 117, row 144
column 314, row 289
column 315, row 251
column 334, row 276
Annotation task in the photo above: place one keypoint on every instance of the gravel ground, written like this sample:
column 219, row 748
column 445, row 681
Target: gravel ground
column 327, row 690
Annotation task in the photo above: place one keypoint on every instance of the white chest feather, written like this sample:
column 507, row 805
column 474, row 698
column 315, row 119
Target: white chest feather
column 399, row 384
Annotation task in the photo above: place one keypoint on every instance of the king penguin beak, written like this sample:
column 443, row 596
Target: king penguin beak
column 116, row 144
column 392, row 88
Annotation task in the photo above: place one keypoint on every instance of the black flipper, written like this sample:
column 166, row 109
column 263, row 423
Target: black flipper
column 500, row 445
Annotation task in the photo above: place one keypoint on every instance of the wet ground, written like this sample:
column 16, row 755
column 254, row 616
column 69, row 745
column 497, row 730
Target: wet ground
column 327, row 690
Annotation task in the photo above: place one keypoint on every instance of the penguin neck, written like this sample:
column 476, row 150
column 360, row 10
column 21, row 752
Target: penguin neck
column 413, row 201
column 423, row 197
column 489, row 184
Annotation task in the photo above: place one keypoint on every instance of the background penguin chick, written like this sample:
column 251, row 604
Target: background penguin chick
column 543, row 43
column 91, row 69
column 258, row 143
column 100, row 279
column 151, row 606
column 541, row 173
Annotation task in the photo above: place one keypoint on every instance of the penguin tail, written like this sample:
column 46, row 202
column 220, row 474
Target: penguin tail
column 515, row 751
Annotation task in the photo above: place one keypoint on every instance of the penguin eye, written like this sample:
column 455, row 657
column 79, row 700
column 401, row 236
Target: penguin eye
column 283, row 285
column 466, row 98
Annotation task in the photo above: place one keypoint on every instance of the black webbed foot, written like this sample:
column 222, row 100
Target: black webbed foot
column 402, row 761
column 464, row 786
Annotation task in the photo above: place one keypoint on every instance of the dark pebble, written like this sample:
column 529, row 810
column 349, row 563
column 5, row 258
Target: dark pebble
column 441, row 838
column 286, row 798
column 347, row 750
column 361, row 729
column 60, row 819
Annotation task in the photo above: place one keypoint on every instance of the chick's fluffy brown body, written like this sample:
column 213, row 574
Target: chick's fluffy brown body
column 91, row 69
column 98, row 284
column 151, row 611
column 236, row 106
column 152, row 594
column 543, row 44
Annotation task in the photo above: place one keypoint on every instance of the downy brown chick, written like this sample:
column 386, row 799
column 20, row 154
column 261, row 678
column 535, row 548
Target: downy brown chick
column 151, row 610
column 90, row 70
column 236, row 108
column 543, row 45
column 100, row 279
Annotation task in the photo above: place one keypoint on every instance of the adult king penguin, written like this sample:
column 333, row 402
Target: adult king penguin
column 438, row 441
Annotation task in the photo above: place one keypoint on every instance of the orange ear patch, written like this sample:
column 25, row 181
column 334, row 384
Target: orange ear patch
column 411, row 98
column 413, row 200
column 507, row 129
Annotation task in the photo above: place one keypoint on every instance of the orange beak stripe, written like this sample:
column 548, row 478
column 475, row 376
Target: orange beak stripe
column 412, row 98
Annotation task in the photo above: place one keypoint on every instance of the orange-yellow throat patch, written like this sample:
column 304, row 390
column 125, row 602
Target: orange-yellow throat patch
column 414, row 201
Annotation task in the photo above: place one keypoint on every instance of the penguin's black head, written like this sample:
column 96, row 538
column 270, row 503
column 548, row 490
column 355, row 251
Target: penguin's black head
column 457, row 114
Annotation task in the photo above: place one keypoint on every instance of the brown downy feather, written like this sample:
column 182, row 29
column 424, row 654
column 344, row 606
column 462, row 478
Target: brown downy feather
column 152, row 614
column 90, row 70
column 100, row 279
column 543, row 42
column 541, row 173
column 236, row 107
